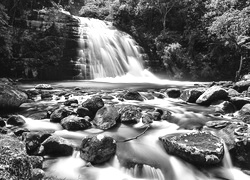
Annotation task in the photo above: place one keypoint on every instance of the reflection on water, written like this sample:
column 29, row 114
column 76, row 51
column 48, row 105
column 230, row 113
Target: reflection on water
column 143, row 157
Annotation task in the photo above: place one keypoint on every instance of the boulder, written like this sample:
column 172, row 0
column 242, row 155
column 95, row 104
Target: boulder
column 59, row 114
column 224, row 107
column 199, row 148
column 37, row 174
column 93, row 105
column 2, row 123
column 44, row 86
column 239, row 102
column 82, row 112
column 212, row 94
column 46, row 95
column 33, row 141
column 130, row 114
column 16, row 120
column 75, row 123
column 241, row 86
column 173, row 92
column 147, row 118
column 36, row 161
column 97, row 149
column 57, row 146
column 245, row 110
column 11, row 97
column 133, row 95
column 106, row 117
column 236, row 137
column 191, row 95
column 167, row 115
column 14, row 162
column 232, row 92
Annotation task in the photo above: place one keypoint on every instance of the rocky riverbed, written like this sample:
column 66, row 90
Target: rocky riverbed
column 45, row 121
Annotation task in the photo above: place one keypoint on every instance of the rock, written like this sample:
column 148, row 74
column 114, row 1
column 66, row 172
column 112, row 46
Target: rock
column 93, row 105
column 59, row 114
column 147, row 118
column 14, row 162
column 33, row 141
column 239, row 102
column 46, row 95
column 70, row 101
column 212, row 94
column 37, row 174
column 97, row 149
column 241, row 86
column 75, row 123
column 106, row 117
column 4, row 130
column 2, row 123
column 245, row 110
column 130, row 114
column 246, row 119
column 236, row 137
column 11, row 97
column 36, row 161
column 82, row 112
column 156, row 115
column 133, row 95
column 232, row 92
column 57, row 146
column 200, row 148
column 20, row 131
column 224, row 107
column 167, row 115
column 158, row 95
column 16, row 120
column 173, row 92
column 191, row 95
column 44, row 86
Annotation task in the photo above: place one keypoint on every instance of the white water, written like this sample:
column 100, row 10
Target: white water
column 106, row 52
column 151, row 160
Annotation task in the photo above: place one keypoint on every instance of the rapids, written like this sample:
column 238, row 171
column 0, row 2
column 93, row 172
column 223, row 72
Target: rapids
column 141, row 158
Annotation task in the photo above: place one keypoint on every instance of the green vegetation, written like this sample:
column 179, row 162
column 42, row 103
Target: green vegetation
column 184, row 39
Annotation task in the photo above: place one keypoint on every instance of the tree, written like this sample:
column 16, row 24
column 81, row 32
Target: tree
column 163, row 7
column 232, row 28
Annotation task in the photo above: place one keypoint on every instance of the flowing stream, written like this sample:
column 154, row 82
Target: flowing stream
column 114, row 61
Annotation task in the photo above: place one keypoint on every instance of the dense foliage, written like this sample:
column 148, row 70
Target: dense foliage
column 184, row 39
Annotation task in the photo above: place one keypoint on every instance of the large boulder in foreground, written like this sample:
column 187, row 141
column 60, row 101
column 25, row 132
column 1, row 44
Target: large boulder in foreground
column 15, row 164
column 212, row 94
column 11, row 97
column 200, row 148
column 75, row 123
column 97, row 149
column 106, row 117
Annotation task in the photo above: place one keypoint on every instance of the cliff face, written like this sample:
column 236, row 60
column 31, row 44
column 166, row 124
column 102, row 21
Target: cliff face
column 48, row 44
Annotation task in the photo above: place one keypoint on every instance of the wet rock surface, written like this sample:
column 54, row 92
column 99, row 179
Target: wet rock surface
column 106, row 117
column 14, row 162
column 74, row 123
column 212, row 94
column 97, row 149
column 11, row 97
column 198, row 148
column 130, row 114
column 57, row 146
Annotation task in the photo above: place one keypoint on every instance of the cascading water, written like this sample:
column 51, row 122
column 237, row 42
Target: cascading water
column 106, row 52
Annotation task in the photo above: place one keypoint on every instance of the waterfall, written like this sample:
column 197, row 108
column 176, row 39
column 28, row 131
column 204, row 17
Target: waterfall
column 106, row 52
